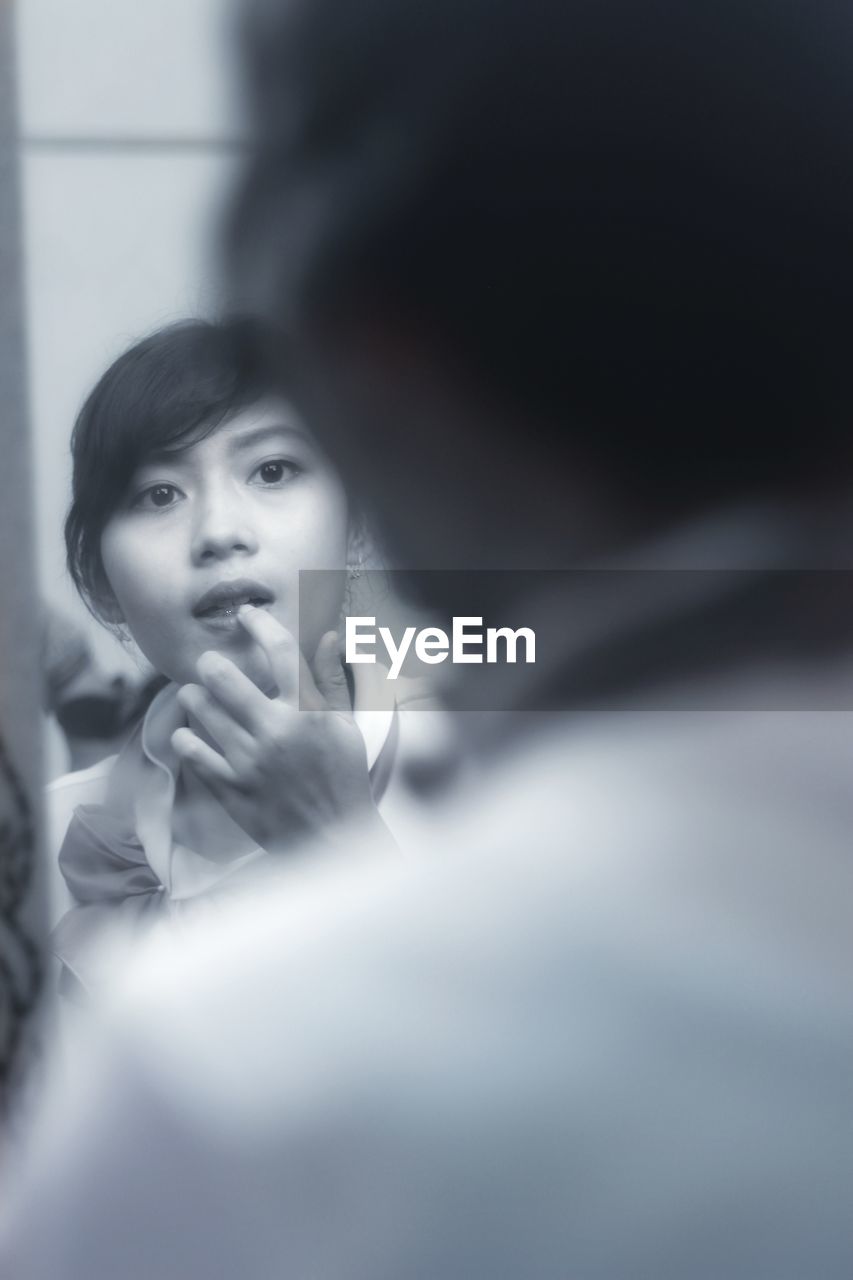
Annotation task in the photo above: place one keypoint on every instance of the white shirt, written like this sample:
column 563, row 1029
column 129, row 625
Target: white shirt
column 602, row 1028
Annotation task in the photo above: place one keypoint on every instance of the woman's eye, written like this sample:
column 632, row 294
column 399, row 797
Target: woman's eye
column 276, row 471
column 159, row 495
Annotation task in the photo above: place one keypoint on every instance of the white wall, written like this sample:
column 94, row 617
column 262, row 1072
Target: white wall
column 127, row 148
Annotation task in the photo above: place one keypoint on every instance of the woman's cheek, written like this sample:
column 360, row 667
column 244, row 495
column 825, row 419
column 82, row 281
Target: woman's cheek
column 142, row 578
column 322, row 524
column 119, row 561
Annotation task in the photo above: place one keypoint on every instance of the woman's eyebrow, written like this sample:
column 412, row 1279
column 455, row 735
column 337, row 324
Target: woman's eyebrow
column 181, row 456
column 163, row 458
column 260, row 435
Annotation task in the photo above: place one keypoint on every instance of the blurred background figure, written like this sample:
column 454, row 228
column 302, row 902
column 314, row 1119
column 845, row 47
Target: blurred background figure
column 563, row 285
column 93, row 708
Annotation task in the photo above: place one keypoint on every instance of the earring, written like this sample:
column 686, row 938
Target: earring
column 354, row 569
column 355, row 561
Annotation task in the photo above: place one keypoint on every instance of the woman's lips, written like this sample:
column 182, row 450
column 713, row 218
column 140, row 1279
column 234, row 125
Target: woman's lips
column 217, row 607
column 225, row 623
column 226, row 597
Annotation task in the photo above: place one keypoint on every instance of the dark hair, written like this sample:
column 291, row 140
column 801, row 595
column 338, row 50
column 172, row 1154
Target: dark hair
column 633, row 221
column 173, row 387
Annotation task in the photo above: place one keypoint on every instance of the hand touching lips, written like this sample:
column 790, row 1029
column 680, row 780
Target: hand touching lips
column 286, row 766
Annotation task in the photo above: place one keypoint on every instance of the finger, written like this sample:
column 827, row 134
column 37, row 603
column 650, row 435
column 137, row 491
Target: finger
column 233, row 690
column 208, row 764
column 232, row 739
column 287, row 663
column 279, row 646
column 330, row 675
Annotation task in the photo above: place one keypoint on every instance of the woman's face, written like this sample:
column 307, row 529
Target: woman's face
column 233, row 517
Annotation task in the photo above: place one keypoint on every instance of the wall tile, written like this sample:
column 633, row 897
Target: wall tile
column 125, row 69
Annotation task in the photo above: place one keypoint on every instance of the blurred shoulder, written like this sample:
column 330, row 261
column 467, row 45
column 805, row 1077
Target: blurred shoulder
column 88, row 783
column 64, row 794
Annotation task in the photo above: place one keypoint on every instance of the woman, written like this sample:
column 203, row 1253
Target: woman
column 198, row 496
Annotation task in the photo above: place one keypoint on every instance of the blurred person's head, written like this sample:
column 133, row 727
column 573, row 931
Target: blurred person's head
column 196, row 488
column 559, row 273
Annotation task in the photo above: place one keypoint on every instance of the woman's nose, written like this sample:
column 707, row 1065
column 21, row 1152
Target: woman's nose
column 222, row 528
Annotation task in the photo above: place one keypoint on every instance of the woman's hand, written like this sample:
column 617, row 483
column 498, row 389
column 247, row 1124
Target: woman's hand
column 283, row 771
